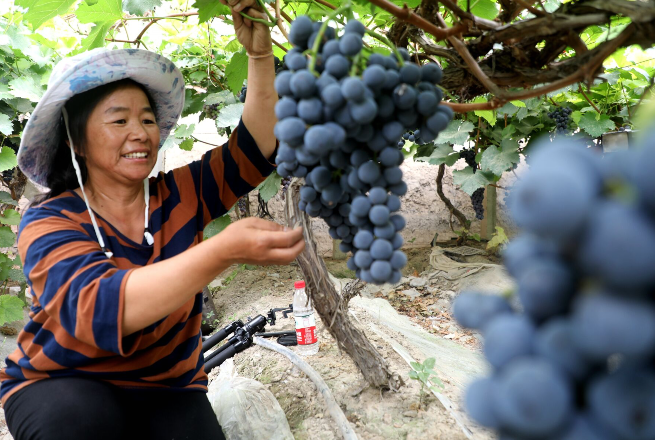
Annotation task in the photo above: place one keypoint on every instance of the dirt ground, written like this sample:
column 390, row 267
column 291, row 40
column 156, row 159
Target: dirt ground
column 242, row 292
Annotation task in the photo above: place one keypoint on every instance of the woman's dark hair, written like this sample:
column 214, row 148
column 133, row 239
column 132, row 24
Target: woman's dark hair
column 61, row 176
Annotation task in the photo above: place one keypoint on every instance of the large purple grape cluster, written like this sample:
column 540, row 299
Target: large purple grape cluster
column 341, row 132
column 577, row 362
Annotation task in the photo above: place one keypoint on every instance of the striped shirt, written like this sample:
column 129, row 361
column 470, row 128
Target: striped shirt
column 75, row 326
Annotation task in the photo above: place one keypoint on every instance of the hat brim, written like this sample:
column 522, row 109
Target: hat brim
column 157, row 74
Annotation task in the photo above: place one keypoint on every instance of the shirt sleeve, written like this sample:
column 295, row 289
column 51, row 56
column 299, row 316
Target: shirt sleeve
column 222, row 175
column 73, row 281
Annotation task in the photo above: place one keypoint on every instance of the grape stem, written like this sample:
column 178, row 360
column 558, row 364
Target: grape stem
column 319, row 37
column 386, row 41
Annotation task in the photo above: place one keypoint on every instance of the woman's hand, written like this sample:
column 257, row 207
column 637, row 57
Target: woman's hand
column 260, row 242
column 255, row 37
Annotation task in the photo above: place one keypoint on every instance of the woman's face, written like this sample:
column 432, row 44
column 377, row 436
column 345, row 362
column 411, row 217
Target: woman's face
column 122, row 137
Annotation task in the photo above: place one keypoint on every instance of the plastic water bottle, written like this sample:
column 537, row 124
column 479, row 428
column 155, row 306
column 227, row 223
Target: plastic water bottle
column 303, row 313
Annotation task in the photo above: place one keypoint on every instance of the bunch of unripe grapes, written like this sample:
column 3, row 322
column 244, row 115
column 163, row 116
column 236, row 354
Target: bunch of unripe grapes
column 576, row 361
column 341, row 131
column 562, row 118
column 211, row 111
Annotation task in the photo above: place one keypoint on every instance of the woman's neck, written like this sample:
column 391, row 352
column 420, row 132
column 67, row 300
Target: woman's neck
column 116, row 203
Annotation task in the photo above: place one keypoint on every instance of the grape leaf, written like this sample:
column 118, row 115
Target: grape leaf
column 186, row 145
column 140, row 7
column 5, row 93
column 7, row 236
column 269, row 187
column 489, row 115
column 184, row 131
column 18, row 40
column 26, row 87
column 103, row 11
column 10, row 217
column 193, row 102
column 229, row 115
column 470, row 181
column 595, row 124
column 498, row 161
column 11, row 309
column 233, row 46
column 17, row 275
column 518, row 103
column 498, row 239
column 482, row 8
column 6, row 126
column 217, row 226
column 237, row 71
column 45, row 10
column 456, row 133
column 428, row 364
column 442, row 153
column 224, row 96
column 208, row 9
column 7, row 161
column 5, row 198
column 96, row 37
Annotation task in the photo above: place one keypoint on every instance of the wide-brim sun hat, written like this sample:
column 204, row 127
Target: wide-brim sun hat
column 88, row 70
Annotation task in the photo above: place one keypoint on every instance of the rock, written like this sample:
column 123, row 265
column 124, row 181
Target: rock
column 412, row 293
column 386, row 418
column 410, row 413
column 274, row 275
column 449, row 294
column 418, row 282
column 432, row 290
column 216, row 284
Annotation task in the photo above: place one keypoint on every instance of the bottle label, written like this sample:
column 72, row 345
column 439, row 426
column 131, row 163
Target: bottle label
column 306, row 329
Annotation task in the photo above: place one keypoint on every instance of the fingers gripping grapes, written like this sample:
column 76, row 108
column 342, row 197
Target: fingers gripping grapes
column 342, row 114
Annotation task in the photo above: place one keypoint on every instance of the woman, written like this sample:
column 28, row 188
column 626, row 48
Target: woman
column 116, row 261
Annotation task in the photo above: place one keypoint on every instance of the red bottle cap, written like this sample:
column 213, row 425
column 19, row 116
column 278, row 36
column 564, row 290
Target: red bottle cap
column 299, row 285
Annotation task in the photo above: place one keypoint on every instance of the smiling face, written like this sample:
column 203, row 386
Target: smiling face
column 122, row 137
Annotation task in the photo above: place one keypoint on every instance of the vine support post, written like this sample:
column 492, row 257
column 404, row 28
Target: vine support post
column 488, row 224
column 333, row 308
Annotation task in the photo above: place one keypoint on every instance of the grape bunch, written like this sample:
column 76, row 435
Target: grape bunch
column 279, row 65
column 476, row 199
column 341, row 132
column 241, row 204
column 562, row 118
column 412, row 136
column 284, row 185
column 469, row 158
column 576, row 363
column 211, row 111
column 242, row 94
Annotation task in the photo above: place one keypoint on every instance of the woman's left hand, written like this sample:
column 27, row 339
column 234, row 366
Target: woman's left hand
column 254, row 36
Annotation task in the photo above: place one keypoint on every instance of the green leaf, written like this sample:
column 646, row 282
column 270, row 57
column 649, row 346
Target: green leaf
column 184, row 131
column 11, row 309
column 7, row 160
column 442, row 154
column 193, row 102
column 575, row 116
column 140, row 7
column 424, row 376
column 499, row 238
column 482, row 8
column 237, row 71
column 416, row 366
column 27, row 87
column 7, row 237
column 217, row 225
column 269, row 187
column 470, row 181
column 101, row 12
column 10, row 217
column 428, row 364
column 41, row 11
column 456, row 133
column 229, row 115
column 498, row 161
column 5, row 198
column 413, row 375
column 186, row 145
column 488, row 115
column 222, row 97
column 233, row 46
column 208, row 9
column 6, row 126
column 518, row 103
column 17, row 275
column 18, row 40
column 595, row 124
column 96, row 37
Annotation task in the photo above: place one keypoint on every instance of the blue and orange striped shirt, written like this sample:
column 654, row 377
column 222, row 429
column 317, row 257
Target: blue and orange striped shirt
column 78, row 293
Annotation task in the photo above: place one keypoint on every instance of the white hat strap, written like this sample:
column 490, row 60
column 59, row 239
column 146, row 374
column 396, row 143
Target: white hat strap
column 78, row 173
